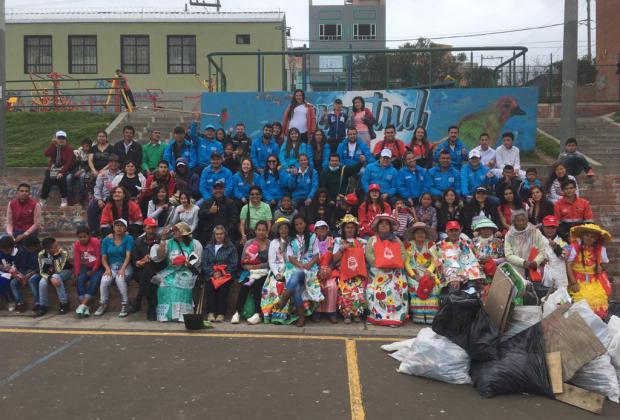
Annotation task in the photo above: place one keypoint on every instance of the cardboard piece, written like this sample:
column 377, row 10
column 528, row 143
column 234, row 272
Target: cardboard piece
column 554, row 365
column 586, row 400
column 499, row 299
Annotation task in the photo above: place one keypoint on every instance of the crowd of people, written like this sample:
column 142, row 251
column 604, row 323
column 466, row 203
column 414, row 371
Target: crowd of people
column 310, row 223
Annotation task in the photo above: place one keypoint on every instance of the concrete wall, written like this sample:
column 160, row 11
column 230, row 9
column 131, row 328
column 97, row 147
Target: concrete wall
column 607, row 50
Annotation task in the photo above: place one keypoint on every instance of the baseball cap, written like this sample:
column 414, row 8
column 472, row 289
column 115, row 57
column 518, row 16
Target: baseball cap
column 350, row 199
column 550, row 221
column 219, row 184
column 474, row 153
column 149, row 221
column 386, row 153
column 61, row 134
column 482, row 190
column 321, row 223
column 121, row 221
column 210, row 127
column 453, row 224
column 372, row 187
column 180, row 161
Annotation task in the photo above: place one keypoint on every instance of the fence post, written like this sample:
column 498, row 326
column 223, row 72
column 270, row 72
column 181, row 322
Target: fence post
column 304, row 73
column 350, row 73
column 258, row 70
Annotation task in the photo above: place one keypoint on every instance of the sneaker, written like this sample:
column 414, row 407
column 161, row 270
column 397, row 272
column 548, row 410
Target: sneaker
column 20, row 308
column 254, row 319
column 85, row 311
column 124, row 311
column 41, row 310
column 12, row 306
column 235, row 318
column 219, row 318
column 79, row 311
column 347, row 319
column 63, row 309
column 63, row 202
column 211, row 317
column 102, row 309
column 590, row 172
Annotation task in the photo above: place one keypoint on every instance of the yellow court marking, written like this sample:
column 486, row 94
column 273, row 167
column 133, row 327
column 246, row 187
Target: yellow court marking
column 355, row 386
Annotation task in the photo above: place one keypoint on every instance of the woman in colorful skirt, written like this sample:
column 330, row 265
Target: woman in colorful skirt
column 460, row 267
column 351, row 283
column 489, row 250
column 587, row 279
column 421, row 264
column 327, row 277
column 176, row 281
column 386, row 292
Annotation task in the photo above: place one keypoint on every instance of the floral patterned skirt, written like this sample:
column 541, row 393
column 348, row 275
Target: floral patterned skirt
column 387, row 296
column 272, row 291
column 352, row 296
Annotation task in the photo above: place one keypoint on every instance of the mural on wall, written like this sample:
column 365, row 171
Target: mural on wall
column 475, row 111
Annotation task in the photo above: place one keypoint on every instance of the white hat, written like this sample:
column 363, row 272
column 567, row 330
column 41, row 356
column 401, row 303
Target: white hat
column 474, row 153
column 61, row 133
column 386, row 153
column 321, row 223
column 121, row 221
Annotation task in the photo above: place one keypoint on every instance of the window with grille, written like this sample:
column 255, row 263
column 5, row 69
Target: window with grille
column 82, row 54
column 243, row 39
column 181, row 54
column 38, row 54
column 135, row 58
column 329, row 32
column 363, row 31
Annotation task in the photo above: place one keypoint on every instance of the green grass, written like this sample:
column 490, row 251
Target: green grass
column 616, row 117
column 29, row 133
column 546, row 148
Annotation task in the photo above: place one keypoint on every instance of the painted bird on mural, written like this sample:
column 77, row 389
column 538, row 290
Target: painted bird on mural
column 489, row 120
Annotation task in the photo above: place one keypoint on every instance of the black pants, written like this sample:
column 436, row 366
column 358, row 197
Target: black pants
column 49, row 182
column 147, row 289
column 257, row 289
column 217, row 299
column 564, row 229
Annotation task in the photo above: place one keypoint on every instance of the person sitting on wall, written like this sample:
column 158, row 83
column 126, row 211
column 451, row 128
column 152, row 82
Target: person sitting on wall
column 61, row 160
column 23, row 215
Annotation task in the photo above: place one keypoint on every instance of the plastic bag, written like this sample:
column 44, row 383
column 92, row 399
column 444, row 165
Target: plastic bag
column 599, row 376
column 522, row 318
column 435, row 357
column 554, row 300
column 397, row 345
column 248, row 307
column 520, row 367
column 596, row 324
column 614, row 341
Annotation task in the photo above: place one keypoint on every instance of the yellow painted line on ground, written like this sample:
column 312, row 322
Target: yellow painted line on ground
column 195, row 334
column 355, row 386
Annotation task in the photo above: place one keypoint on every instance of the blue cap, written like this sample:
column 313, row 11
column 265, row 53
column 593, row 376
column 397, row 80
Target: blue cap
column 210, row 126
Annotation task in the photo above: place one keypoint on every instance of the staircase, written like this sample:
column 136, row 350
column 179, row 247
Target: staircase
column 145, row 120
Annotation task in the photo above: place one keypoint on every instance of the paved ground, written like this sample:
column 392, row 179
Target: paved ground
column 172, row 374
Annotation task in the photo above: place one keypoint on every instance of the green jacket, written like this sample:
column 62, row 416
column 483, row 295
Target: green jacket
column 152, row 155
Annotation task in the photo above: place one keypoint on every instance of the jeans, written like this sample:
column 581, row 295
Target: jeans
column 296, row 284
column 87, row 285
column 59, row 279
column 72, row 192
column 121, row 284
column 48, row 182
column 16, row 288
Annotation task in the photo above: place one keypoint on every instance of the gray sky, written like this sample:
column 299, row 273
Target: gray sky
column 407, row 19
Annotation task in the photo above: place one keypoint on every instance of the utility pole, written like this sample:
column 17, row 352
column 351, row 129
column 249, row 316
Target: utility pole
column 589, row 22
column 2, row 92
column 568, row 123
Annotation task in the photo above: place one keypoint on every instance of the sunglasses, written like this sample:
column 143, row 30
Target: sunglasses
column 272, row 161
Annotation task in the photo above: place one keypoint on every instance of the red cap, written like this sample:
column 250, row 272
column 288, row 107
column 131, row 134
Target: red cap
column 351, row 199
column 149, row 221
column 374, row 187
column 550, row 221
column 453, row 224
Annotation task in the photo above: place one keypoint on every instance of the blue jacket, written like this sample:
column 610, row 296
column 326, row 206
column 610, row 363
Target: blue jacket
column 188, row 153
column 208, row 178
column 470, row 179
column 337, row 125
column 411, row 184
column 259, row 152
column 456, row 155
column 304, row 185
column 273, row 189
column 204, row 147
column 360, row 149
column 304, row 149
column 440, row 181
column 241, row 189
column 385, row 177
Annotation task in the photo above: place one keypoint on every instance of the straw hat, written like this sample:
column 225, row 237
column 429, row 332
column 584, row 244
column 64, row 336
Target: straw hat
column 577, row 231
column 348, row 218
column 384, row 216
column 183, row 228
column 430, row 232
column 280, row 221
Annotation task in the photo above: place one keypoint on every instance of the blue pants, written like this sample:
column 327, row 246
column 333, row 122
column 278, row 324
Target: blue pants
column 88, row 286
column 61, row 277
column 296, row 284
column 16, row 287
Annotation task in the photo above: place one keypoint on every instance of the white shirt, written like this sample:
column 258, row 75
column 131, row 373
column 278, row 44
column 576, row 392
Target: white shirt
column 486, row 155
column 505, row 157
column 352, row 147
column 300, row 118
column 217, row 247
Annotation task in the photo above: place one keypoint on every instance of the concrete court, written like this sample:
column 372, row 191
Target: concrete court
column 105, row 374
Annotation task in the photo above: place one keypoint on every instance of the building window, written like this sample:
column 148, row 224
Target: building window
column 135, row 56
column 329, row 32
column 363, row 31
column 38, row 54
column 82, row 53
column 243, row 39
column 181, row 54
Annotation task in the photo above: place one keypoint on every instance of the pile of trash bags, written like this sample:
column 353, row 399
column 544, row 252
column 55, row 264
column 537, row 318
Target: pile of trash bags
column 464, row 347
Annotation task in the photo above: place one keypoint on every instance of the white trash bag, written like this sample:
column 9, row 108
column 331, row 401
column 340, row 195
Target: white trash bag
column 594, row 322
column 599, row 376
column 522, row 318
column 436, row 357
column 555, row 300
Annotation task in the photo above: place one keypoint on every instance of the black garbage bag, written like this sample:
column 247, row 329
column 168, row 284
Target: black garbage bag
column 520, row 367
column 462, row 320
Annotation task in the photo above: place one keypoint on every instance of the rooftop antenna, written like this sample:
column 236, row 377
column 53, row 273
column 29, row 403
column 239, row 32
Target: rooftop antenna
column 217, row 4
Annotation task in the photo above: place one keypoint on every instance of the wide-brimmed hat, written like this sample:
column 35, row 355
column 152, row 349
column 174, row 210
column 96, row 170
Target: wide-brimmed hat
column 577, row 231
column 484, row 223
column 348, row 218
column 280, row 221
column 183, row 228
column 384, row 216
column 430, row 232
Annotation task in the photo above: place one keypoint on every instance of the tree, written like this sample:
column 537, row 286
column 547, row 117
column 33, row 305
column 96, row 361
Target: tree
column 586, row 72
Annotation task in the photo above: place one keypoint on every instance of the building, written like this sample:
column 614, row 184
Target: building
column 352, row 24
column 607, row 50
column 156, row 49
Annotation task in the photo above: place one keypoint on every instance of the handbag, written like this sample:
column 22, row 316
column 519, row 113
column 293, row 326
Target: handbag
column 387, row 254
column 534, row 275
column 219, row 281
column 353, row 262
column 249, row 232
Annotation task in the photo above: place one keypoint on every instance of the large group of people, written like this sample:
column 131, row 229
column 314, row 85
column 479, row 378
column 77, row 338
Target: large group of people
column 311, row 223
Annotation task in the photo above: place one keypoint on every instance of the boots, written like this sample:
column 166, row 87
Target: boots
column 301, row 316
column 286, row 295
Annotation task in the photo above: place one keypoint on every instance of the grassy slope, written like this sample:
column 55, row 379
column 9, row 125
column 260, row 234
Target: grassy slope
column 29, row 133
column 616, row 117
column 546, row 149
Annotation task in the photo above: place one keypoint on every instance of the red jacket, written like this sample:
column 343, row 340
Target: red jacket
column 577, row 211
column 397, row 147
column 366, row 215
column 66, row 157
column 310, row 120
column 134, row 216
column 147, row 192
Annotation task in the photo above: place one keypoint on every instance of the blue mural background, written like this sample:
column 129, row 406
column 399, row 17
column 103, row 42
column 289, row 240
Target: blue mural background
column 493, row 110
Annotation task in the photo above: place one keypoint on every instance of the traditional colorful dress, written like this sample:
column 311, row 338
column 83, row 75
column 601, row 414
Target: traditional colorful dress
column 491, row 249
column 351, row 292
column 418, row 261
column 327, row 276
column 459, row 262
column 312, row 295
column 174, row 295
column 594, row 286
column 273, row 288
column 386, row 291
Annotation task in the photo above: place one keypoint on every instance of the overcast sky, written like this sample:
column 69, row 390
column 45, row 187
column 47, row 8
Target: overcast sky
column 406, row 19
